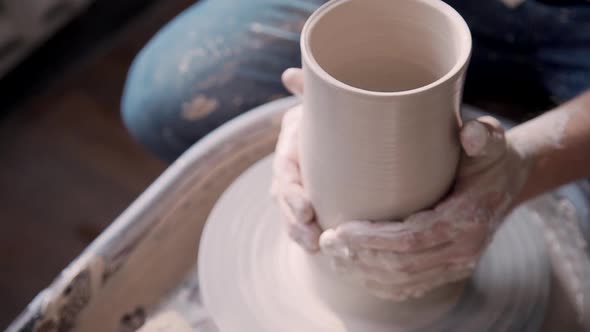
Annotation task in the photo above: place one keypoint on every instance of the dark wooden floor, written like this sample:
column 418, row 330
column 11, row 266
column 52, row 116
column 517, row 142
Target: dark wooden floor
column 67, row 165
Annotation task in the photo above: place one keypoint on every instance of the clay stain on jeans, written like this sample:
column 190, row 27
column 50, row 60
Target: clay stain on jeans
column 199, row 107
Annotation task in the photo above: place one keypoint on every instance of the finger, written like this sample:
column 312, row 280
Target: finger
column 293, row 80
column 288, row 136
column 396, row 278
column 294, row 205
column 412, row 263
column 305, row 234
column 421, row 231
column 483, row 137
column 298, row 215
column 466, row 249
column 470, row 242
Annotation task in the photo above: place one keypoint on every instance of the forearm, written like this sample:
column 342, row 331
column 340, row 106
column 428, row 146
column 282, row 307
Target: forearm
column 555, row 146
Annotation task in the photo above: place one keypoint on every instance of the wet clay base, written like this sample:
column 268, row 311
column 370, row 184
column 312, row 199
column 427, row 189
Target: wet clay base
column 254, row 278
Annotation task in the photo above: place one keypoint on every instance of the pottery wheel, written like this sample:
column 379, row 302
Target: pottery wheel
column 254, row 278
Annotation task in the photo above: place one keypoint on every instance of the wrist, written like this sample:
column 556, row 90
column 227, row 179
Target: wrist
column 525, row 166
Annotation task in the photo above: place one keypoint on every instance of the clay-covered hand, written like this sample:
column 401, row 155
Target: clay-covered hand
column 296, row 209
column 397, row 260
column 400, row 259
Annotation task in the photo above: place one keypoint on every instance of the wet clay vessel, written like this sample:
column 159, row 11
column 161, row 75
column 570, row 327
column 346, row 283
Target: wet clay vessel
column 383, row 83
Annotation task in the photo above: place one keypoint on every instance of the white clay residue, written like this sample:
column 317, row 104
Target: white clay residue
column 199, row 107
column 538, row 133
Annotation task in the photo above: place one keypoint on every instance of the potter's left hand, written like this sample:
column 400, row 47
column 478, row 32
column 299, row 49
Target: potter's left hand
column 396, row 260
column 296, row 210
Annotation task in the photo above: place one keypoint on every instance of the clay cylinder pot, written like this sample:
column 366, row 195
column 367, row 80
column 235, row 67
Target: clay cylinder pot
column 383, row 88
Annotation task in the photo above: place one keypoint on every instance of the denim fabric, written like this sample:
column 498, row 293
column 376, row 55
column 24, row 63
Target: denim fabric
column 220, row 58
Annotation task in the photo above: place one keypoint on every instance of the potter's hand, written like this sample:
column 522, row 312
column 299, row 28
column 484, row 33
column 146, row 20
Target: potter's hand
column 397, row 260
column 296, row 209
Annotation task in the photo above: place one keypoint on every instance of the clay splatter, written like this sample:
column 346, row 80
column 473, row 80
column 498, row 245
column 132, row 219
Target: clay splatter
column 199, row 107
column 274, row 32
column 186, row 60
column 220, row 78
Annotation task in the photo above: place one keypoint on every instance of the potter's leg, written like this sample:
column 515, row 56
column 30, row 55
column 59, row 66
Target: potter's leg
column 562, row 43
column 532, row 44
column 214, row 61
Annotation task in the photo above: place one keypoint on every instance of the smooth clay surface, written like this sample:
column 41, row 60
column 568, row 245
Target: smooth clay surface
column 381, row 106
column 254, row 278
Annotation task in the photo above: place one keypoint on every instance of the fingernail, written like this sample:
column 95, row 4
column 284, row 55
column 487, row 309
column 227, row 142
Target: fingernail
column 474, row 137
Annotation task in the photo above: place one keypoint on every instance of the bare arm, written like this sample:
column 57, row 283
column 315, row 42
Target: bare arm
column 557, row 145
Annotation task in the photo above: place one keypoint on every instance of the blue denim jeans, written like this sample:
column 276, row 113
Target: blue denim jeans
column 220, row 58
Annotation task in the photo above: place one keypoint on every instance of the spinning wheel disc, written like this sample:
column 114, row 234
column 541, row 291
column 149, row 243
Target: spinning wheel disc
column 254, row 278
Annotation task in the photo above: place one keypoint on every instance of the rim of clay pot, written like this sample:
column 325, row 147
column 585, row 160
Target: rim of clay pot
column 439, row 5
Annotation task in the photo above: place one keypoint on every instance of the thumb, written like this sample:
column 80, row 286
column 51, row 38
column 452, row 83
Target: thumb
column 483, row 138
column 484, row 144
column 293, row 80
